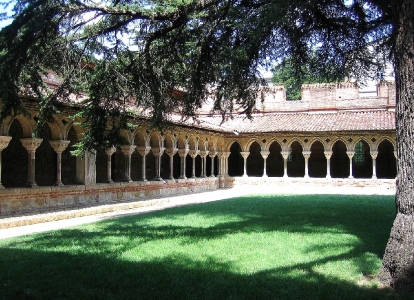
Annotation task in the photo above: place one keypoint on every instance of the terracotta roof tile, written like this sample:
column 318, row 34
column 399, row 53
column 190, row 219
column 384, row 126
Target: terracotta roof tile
column 303, row 122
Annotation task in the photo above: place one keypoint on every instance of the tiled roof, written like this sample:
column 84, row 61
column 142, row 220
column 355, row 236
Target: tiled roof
column 303, row 122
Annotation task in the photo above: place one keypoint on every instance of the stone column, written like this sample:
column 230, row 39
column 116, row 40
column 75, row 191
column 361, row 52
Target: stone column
column 328, row 155
column 59, row 146
column 203, row 155
column 374, row 155
column 264, row 154
column 31, row 144
column 220, row 164
column 226, row 163
column 182, row 153
column 109, row 153
column 143, row 151
column 171, row 152
column 245, row 155
column 158, row 152
column 128, row 150
column 193, row 154
column 212, row 154
column 396, row 161
column 4, row 142
column 350, row 155
column 306, row 155
column 285, row 155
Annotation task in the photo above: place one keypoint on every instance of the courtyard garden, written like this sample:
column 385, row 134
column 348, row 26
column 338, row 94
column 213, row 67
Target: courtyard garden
column 251, row 247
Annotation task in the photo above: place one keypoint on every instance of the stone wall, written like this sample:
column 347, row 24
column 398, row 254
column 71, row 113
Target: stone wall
column 18, row 201
column 327, row 97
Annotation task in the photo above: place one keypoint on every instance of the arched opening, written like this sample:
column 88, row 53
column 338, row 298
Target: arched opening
column 296, row 161
column 386, row 162
column 118, row 166
column 14, row 159
column 362, row 160
column 176, row 165
column 339, row 161
column 45, row 159
column 317, row 161
column 136, row 166
column 101, row 163
column 274, row 163
column 235, row 160
column 165, row 166
column 255, row 162
column 69, row 160
column 198, row 166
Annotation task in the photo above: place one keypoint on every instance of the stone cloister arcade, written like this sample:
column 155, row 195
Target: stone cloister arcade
column 189, row 153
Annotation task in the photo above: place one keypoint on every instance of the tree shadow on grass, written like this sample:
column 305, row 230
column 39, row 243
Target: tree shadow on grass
column 46, row 273
column 32, row 276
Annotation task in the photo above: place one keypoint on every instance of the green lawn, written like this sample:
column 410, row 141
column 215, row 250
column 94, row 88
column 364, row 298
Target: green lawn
column 253, row 247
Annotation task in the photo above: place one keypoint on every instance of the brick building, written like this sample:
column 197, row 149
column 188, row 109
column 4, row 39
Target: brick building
column 333, row 134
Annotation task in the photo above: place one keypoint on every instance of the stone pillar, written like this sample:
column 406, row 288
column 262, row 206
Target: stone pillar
column 4, row 142
column 350, row 155
column 109, row 153
column 203, row 155
column 59, row 146
column 212, row 154
column 226, row 163
column 396, row 161
column 245, row 155
column 31, row 144
column 328, row 155
column 264, row 154
column 374, row 155
column 143, row 151
column 193, row 154
column 158, row 152
column 182, row 153
column 285, row 155
column 171, row 152
column 128, row 150
column 220, row 164
column 306, row 155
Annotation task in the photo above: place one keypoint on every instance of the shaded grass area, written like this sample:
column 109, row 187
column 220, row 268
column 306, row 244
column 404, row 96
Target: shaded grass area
column 253, row 247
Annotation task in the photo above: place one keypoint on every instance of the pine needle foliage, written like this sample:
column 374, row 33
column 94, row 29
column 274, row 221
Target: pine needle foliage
column 123, row 54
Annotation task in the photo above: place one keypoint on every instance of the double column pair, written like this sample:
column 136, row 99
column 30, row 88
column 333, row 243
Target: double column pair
column 128, row 150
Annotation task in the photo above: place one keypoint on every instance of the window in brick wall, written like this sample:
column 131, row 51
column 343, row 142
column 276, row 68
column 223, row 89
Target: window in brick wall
column 359, row 156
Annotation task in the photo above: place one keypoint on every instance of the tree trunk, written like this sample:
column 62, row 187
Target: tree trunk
column 398, row 263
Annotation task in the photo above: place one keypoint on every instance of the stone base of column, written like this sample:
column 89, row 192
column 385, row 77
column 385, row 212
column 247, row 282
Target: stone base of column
column 59, row 184
column 110, row 181
column 182, row 177
column 212, row 176
column 32, row 185
column 265, row 176
column 351, row 177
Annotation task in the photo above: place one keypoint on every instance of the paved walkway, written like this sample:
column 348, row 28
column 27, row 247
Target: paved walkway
column 23, row 225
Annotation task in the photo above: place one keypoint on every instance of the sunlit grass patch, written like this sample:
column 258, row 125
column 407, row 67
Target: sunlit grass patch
column 253, row 247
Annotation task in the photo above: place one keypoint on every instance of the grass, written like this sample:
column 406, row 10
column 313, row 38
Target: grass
column 253, row 247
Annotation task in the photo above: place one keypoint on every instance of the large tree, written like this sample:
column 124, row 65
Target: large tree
column 126, row 53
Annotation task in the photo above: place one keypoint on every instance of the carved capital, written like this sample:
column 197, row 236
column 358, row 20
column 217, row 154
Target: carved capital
column 203, row 153
column 350, row 154
column 128, row 149
column 245, row 154
column 110, row 151
column 4, row 141
column 31, row 144
column 143, row 150
column 306, row 154
column 158, row 151
column 183, row 152
column 212, row 154
column 171, row 151
column 374, row 154
column 328, row 154
column 265, row 153
column 285, row 154
column 59, row 145
column 193, row 153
